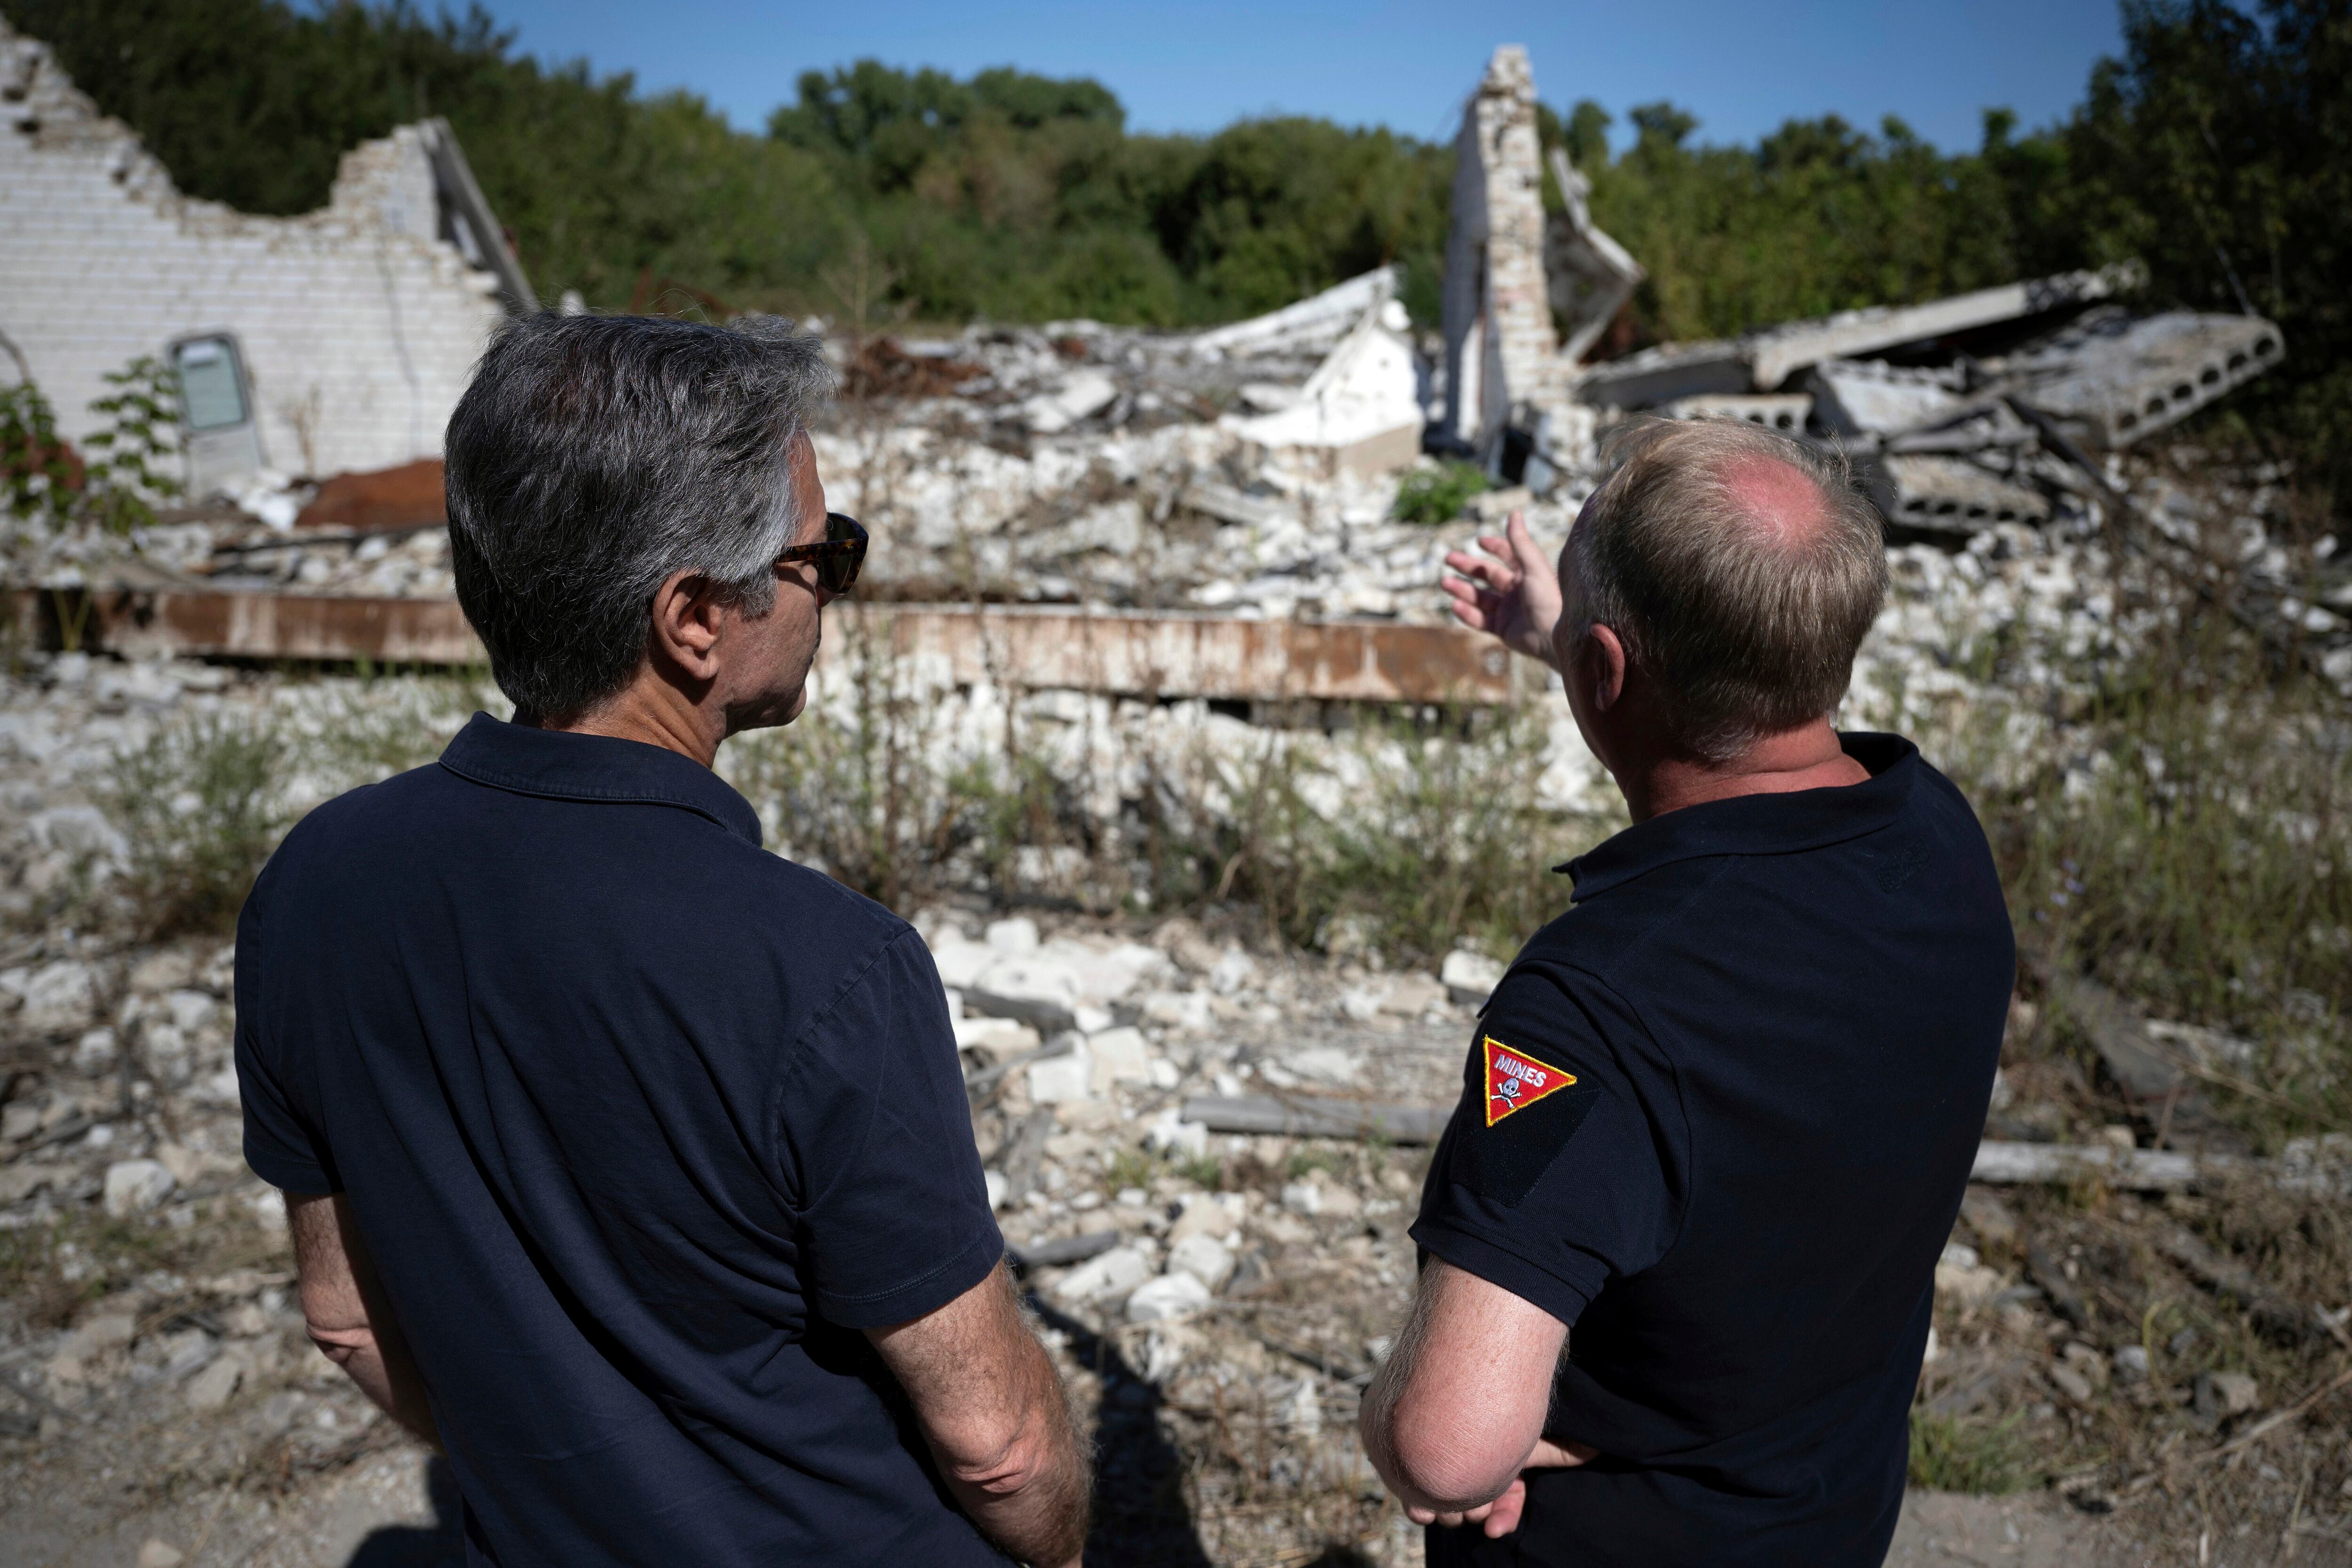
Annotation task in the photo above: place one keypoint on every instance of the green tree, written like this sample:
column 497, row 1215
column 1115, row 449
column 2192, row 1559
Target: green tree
column 2214, row 150
column 2211, row 148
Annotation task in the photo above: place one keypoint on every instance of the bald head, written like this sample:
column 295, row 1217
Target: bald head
column 1739, row 567
column 1783, row 504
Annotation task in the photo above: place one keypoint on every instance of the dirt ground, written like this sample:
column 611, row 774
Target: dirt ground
column 2119, row 1379
column 88, row 1506
column 395, row 1508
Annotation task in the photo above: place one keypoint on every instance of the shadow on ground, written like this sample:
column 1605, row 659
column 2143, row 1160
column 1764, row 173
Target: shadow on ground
column 1141, row 1518
column 420, row 1546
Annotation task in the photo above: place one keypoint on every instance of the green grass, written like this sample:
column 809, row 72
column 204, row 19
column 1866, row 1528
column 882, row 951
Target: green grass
column 201, row 807
column 1130, row 1168
column 1958, row 1454
column 1418, row 828
column 1304, row 1163
column 2190, row 843
column 1438, row 494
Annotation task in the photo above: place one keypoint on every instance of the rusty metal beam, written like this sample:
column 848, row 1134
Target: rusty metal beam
column 146, row 624
column 1130, row 653
column 1189, row 656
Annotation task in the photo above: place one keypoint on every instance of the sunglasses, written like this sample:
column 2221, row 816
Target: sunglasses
column 839, row 559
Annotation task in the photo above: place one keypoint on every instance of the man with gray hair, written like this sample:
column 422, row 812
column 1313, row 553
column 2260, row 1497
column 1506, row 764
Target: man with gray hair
column 629, row 1162
column 1680, row 1237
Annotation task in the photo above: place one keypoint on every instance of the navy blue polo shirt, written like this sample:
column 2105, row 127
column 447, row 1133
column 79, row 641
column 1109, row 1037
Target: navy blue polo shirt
column 1718, row 1118
column 642, row 1126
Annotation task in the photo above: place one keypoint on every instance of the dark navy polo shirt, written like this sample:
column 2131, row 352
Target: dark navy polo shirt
column 1746, row 1073
column 641, row 1125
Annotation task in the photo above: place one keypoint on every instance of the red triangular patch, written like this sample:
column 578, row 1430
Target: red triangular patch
column 1516, row 1080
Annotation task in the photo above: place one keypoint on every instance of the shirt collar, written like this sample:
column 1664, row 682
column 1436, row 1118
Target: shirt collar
column 1759, row 823
column 565, row 765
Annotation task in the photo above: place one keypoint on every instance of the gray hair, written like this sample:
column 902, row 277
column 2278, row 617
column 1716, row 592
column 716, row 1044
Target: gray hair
column 591, row 459
column 1746, row 634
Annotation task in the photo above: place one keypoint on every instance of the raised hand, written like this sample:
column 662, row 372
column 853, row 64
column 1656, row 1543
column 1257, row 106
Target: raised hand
column 1512, row 590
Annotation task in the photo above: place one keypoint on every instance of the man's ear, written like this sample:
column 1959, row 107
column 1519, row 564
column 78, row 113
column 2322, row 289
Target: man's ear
column 689, row 615
column 1603, row 664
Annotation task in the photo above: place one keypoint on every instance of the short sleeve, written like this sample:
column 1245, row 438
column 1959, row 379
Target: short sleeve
column 874, row 1133
column 1559, row 1171
column 282, row 1143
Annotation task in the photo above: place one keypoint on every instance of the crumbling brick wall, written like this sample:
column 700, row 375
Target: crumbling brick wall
column 359, row 324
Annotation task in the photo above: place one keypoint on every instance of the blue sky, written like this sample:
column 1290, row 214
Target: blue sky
column 1742, row 66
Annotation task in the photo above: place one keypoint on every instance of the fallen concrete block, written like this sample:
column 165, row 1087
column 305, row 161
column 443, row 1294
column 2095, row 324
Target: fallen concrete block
column 1469, row 978
column 133, row 1186
column 1166, row 1298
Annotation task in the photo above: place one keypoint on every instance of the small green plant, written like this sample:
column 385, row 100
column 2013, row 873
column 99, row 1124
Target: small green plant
column 1438, row 494
column 1954, row 1454
column 125, row 476
column 1304, row 1163
column 1203, row 1170
column 1130, row 1168
column 121, row 473
column 39, row 475
column 200, row 807
column 1140, row 1167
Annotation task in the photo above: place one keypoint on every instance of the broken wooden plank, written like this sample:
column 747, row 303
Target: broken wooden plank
column 1313, row 1116
column 2004, row 1164
column 1063, row 1249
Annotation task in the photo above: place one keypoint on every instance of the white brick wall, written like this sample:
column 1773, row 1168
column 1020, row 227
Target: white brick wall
column 359, row 327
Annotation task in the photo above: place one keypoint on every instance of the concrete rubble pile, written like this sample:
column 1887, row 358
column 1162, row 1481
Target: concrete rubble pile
column 1248, row 471
column 1214, row 1284
column 1227, row 1293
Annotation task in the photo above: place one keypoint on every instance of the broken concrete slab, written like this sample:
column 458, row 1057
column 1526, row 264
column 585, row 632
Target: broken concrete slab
column 1360, row 410
column 1667, row 372
column 1311, row 326
column 1871, row 397
column 2112, row 380
column 1950, row 495
column 1589, row 274
column 1788, row 412
column 1775, row 354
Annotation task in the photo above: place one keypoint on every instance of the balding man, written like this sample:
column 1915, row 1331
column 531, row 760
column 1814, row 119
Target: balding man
column 1718, row 1117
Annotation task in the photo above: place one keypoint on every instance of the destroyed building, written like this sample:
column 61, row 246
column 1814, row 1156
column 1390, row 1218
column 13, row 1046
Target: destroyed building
column 339, row 340
column 1251, row 471
column 1983, row 408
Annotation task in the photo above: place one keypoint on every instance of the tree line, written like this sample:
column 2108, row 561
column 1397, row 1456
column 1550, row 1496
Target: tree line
column 2209, row 148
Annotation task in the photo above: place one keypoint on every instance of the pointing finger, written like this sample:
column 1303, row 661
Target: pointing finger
column 1524, row 550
